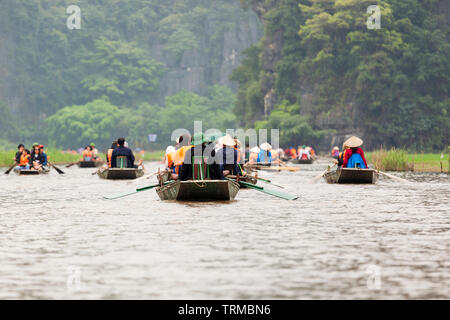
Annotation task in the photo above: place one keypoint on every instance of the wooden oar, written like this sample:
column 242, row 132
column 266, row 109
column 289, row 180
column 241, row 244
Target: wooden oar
column 393, row 177
column 71, row 164
column 128, row 193
column 10, row 168
column 56, row 168
column 316, row 178
column 274, row 193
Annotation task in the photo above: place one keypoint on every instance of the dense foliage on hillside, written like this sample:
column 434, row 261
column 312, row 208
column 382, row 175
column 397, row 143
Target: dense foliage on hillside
column 118, row 58
column 391, row 84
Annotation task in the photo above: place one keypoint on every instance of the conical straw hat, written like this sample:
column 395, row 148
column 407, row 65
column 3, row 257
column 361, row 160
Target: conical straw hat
column 265, row 146
column 255, row 150
column 227, row 140
column 353, row 142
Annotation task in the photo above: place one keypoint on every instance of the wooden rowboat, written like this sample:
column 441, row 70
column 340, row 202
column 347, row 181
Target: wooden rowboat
column 351, row 175
column 302, row 161
column 199, row 190
column 89, row 164
column 120, row 173
column 28, row 172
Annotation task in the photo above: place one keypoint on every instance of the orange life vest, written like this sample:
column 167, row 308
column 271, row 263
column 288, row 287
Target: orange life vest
column 24, row 160
column 169, row 158
column 87, row 154
column 109, row 156
column 178, row 157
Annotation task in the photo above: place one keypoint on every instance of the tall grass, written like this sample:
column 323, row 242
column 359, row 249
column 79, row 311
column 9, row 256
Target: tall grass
column 392, row 160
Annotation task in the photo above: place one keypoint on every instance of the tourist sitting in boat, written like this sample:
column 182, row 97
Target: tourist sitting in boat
column 114, row 145
column 311, row 151
column 44, row 161
column 228, row 157
column 24, row 162
column 264, row 156
column 335, row 153
column 168, row 157
column 36, row 159
column 340, row 159
column 122, row 151
column 182, row 146
column 34, row 145
column 354, row 155
column 293, row 153
column 87, row 154
column 199, row 162
column 253, row 156
column 20, row 148
column 304, row 154
column 94, row 151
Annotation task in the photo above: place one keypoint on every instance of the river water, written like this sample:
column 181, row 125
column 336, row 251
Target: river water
column 59, row 239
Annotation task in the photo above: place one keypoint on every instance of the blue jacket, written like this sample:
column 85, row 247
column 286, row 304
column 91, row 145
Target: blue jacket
column 122, row 151
column 227, row 158
column 262, row 157
column 44, row 159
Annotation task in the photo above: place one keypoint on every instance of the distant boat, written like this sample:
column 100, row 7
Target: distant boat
column 302, row 161
column 89, row 164
column 199, row 190
column 352, row 176
column 120, row 173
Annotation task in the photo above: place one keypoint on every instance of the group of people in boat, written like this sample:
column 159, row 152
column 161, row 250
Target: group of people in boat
column 198, row 157
column 36, row 159
column 119, row 155
column 352, row 155
column 90, row 153
column 303, row 152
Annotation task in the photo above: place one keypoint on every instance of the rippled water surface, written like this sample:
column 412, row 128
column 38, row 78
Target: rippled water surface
column 388, row 240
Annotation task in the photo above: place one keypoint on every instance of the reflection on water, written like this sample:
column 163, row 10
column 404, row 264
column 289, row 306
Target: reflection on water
column 60, row 239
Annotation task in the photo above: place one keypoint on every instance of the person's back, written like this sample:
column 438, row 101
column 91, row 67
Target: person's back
column 199, row 161
column 122, row 151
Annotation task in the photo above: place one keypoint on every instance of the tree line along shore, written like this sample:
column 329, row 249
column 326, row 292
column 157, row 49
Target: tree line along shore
column 386, row 160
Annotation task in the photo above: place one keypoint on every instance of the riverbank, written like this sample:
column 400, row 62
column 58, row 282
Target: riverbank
column 61, row 157
column 418, row 162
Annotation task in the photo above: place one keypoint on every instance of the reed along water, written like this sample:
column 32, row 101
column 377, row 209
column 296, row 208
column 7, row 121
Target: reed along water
column 60, row 239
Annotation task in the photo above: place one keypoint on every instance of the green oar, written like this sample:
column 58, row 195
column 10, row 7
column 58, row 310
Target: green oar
column 275, row 193
column 124, row 194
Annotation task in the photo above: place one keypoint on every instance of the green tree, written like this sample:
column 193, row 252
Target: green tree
column 122, row 71
column 77, row 126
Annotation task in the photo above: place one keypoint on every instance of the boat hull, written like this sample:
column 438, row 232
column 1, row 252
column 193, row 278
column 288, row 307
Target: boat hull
column 89, row 164
column 199, row 190
column 352, row 176
column 301, row 161
column 120, row 173
column 28, row 172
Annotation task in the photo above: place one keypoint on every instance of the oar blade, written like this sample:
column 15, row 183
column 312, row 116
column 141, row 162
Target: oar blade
column 119, row 195
column 274, row 193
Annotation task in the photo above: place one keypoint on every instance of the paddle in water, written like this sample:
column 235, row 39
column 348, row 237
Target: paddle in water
column 317, row 178
column 56, row 168
column 10, row 168
column 393, row 177
column 71, row 164
column 274, row 193
column 129, row 193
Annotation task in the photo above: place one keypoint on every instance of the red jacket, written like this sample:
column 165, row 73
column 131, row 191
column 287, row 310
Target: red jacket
column 348, row 153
